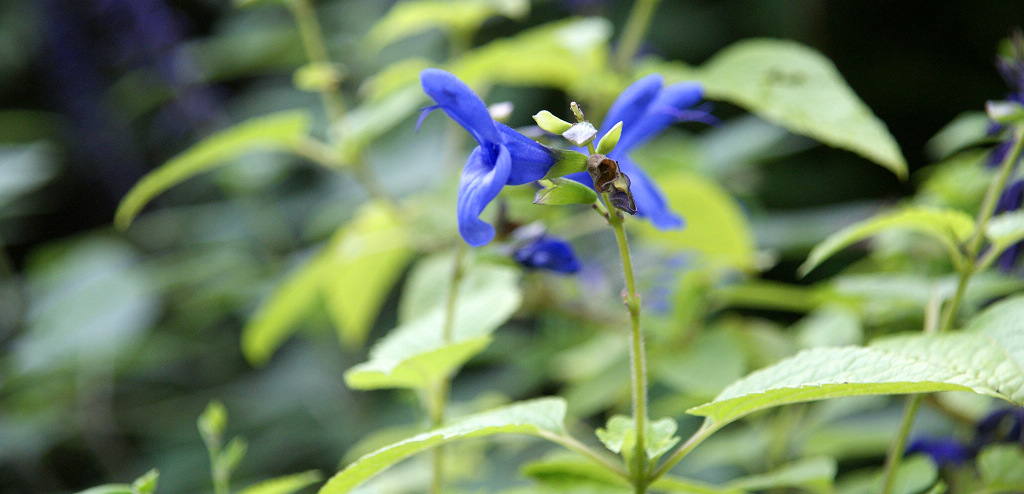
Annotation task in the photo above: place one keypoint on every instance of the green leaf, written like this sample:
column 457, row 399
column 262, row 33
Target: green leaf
column 284, row 485
column 279, row 315
column 362, row 262
column 569, row 55
column 965, row 130
column 823, row 373
column 1005, row 230
column 415, row 355
column 951, row 227
column 459, row 17
column 610, row 140
column 109, row 489
column 368, row 121
column 568, row 162
column 1000, row 468
column 830, row 325
column 146, row 483
column 619, row 436
column 354, row 273
column 211, row 425
column 716, row 226
column 278, row 131
column 566, row 472
column 539, row 417
column 227, row 461
column 814, row 474
column 798, row 88
column 562, row 191
column 987, row 357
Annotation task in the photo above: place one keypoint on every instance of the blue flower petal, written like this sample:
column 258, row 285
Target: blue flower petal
column 631, row 105
column 650, row 201
column 666, row 109
column 550, row 253
column 943, row 450
column 480, row 184
column 530, row 160
column 462, row 104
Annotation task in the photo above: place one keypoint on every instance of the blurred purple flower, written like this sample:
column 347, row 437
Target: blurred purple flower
column 547, row 252
column 945, row 451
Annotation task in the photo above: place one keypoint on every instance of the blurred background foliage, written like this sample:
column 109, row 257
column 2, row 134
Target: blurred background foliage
column 112, row 343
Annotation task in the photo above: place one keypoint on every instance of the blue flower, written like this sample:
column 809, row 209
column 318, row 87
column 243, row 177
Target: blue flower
column 547, row 252
column 1011, row 199
column 645, row 109
column 504, row 156
column 942, row 450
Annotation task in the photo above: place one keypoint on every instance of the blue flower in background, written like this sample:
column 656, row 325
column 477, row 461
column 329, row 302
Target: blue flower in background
column 1005, row 425
column 1011, row 68
column 1010, row 200
column 646, row 108
column 547, row 252
column 504, row 156
column 945, row 451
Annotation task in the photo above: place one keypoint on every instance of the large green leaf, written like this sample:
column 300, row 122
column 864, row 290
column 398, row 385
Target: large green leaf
column 566, row 472
column 986, row 358
column 414, row 355
column 716, row 226
column 949, row 226
column 354, row 273
column 362, row 263
column 539, row 417
column 459, row 17
column 800, row 89
column 278, row 131
column 557, row 54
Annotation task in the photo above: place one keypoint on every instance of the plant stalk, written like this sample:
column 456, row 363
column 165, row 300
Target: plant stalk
column 969, row 268
column 637, row 23
column 316, row 50
column 637, row 359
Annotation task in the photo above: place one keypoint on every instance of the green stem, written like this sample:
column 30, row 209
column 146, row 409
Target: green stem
column 970, row 266
column 636, row 27
column 572, row 444
column 316, row 51
column 636, row 354
column 437, row 394
column 705, row 431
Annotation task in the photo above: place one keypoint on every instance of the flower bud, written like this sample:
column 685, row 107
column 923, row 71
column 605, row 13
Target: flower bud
column 551, row 123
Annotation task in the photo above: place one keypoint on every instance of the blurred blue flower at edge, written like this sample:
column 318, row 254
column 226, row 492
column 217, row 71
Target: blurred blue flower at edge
column 942, row 450
column 547, row 252
column 1003, row 426
column 645, row 109
column 504, row 156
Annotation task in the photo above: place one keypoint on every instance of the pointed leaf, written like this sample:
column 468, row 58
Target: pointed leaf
column 461, row 17
column 562, row 191
column 661, row 437
column 987, row 358
column 610, row 140
column 278, row 131
column 146, row 483
column 284, row 485
column 798, row 88
column 533, row 418
column 547, row 121
column 211, row 425
column 363, row 262
column 618, row 434
column 414, row 355
column 949, row 226
column 568, row 162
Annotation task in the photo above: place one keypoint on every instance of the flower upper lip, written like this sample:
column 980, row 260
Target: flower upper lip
column 503, row 157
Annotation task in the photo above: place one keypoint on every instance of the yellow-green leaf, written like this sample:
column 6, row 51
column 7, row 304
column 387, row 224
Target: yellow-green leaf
column 279, row 131
column 458, row 17
column 949, row 226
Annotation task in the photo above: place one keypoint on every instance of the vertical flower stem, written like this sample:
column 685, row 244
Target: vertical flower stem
column 636, row 27
column 969, row 268
column 316, row 51
column 437, row 395
column 638, row 364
